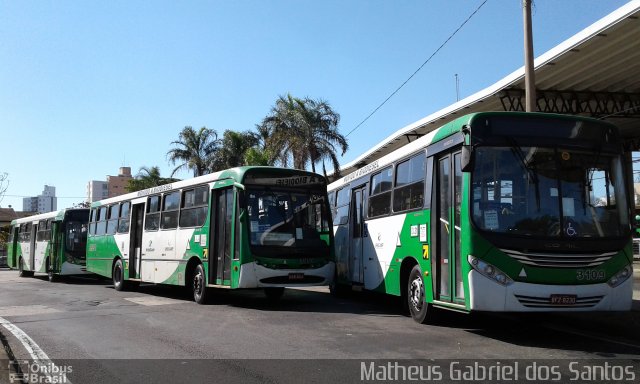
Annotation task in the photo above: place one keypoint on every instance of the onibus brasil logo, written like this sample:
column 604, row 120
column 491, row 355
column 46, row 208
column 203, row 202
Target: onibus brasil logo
column 41, row 372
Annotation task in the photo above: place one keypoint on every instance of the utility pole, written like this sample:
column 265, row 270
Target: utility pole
column 529, row 74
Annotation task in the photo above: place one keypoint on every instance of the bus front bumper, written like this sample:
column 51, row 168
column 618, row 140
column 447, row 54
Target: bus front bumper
column 253, row 275
column 487, row 295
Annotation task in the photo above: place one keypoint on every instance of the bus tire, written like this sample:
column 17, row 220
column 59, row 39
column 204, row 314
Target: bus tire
column 274, row 293
column 118, row 276
column 419, row 309
column 21, row 271
column 199, row 285
column 339, row 290
column 50, row 275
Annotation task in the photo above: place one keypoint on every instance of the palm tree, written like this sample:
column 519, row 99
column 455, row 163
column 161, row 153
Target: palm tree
column 195, row 150
column 147, row 178
column 283, row 128
column 322, row 134
column 233, row 148
column 305, row 131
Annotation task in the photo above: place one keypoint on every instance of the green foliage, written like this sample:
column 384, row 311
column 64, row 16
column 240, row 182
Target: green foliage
column 195, row 150
column 148, row 178
column 303, row 132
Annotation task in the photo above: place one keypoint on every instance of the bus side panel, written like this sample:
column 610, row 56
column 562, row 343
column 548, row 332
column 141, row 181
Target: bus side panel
column 342, row 242
column 101, row 252
column 172, row 271
column 40, row 256
column 25, row 254
column 394, row 239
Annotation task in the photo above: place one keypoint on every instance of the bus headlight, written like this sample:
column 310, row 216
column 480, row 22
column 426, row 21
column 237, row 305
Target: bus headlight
column 489, row 271
column 620, row 277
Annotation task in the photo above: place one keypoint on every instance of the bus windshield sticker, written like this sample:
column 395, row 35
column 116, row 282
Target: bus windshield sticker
column 298, row 233
column 203, row 240
column 491, row 219
column 568, row 207
column 423, row 232
column 414, row 231
column 254, row 226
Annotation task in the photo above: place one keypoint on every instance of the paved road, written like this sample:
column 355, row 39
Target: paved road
column 86, row 323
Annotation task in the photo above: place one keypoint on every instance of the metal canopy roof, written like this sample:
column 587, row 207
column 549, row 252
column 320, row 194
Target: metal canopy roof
column 594, row 73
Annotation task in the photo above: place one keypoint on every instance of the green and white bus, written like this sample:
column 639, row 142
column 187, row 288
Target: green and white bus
column 246, row 227
column 493, row 211
column 53, row 243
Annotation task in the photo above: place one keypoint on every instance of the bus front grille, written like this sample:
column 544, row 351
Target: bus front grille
column 545, row 302
column 289, row 281
column 560, row 260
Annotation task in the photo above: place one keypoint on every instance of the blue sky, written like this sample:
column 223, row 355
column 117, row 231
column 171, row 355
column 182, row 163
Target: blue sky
column 88, row 87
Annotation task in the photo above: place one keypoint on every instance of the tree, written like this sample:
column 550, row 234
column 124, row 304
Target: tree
column 82, row 204
column 195, row 150
column 322, row 134
column 303, row 131
column 4, row 184
column 234, row 146
column 147, row 178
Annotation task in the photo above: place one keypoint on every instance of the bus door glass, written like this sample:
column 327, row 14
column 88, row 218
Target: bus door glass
column 13, row 261
column 221, row 236
column 32, row 247
column 135, row 241
column 358, row 233
column 447, row 216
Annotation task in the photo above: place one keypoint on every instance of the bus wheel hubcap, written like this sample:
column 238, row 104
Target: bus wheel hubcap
column 197, row 284
column 416, row 293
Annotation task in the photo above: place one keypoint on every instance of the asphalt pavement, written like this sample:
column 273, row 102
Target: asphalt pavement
column 11, row 345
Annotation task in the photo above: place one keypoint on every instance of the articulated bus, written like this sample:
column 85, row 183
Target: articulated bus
column 246, row 227
column 53, row 243
column 495, row 211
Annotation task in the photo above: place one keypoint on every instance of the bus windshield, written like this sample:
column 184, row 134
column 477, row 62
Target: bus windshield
column 549, row 192
column 287, row 218
column 76, row 238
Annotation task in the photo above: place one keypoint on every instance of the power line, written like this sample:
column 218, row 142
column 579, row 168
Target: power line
column 419, row 68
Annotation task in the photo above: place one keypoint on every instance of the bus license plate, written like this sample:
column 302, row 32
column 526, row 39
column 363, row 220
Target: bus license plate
column 296, row 276
column 563, row 299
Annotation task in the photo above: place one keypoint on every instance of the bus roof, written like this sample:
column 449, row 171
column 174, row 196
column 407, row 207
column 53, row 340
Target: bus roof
column 443, row 132
column 58, row 215
column 236, row 174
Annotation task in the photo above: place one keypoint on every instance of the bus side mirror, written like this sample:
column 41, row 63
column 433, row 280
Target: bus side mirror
column 467, row 158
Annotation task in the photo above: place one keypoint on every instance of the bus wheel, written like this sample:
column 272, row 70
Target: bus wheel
column 21, row 271
column 274, row 294
column 50, row 274
column 118, row 276
column 416, row 297
column 339, row 290
column 198, row 285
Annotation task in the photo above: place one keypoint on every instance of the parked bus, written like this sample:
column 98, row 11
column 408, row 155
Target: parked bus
column 491, row 212
column 53, row 243
column 247, row 227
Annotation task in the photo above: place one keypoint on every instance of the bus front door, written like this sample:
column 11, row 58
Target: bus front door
column 448, row 200
column 221, row 237
column 12, row 261
column 358, row 233
column 32, row 248
column 135, row 242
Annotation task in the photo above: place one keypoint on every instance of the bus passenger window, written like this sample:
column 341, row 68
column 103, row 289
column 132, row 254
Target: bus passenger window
column 194, row 207
column 101, row 226
column 112, row 224
column 123, row 223
column 170, row 206
column 152, row 218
